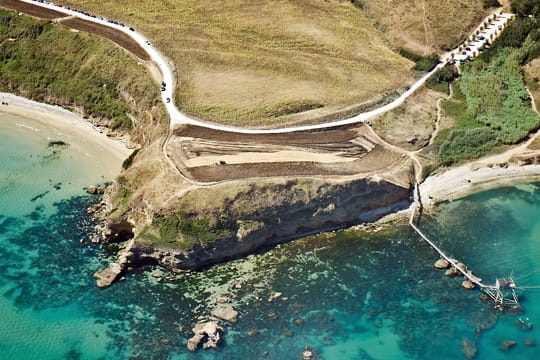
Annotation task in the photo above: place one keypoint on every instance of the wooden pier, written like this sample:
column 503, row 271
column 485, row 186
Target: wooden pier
column 502, row 293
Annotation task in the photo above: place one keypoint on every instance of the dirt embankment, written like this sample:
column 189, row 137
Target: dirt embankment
column 30, row 9
column 118, row 37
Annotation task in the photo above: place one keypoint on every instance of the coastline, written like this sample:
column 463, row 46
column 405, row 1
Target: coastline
column 471, row 178
column 66, row 123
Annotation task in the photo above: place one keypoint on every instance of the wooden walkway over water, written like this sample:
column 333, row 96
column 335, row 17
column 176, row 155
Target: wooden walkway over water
column 502, row 293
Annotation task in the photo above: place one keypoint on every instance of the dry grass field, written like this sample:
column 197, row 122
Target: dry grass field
column 258, row 63
column 424, row 26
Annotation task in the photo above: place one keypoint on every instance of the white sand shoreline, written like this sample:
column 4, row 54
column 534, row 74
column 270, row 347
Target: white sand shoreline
column 63, row 121
column 468, row 179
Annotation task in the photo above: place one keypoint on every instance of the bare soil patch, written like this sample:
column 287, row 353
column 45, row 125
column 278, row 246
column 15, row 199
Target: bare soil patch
column 410, row 126
column 123, row 40
column 31, row 9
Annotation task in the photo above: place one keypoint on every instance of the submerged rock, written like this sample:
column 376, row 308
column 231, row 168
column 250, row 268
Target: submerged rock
column 207, row 334
column 507, row 344
column 225, row 312
column 469, row 348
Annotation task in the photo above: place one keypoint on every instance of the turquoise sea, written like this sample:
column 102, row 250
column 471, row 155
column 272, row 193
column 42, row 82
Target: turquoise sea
column 349, row 294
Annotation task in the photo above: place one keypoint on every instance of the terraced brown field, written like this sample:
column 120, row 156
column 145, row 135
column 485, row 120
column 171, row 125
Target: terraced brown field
column 31, row 9
column 209, row 155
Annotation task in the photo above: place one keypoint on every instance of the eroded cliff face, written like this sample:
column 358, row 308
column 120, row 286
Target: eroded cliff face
column 334, row 206
column 278, row 212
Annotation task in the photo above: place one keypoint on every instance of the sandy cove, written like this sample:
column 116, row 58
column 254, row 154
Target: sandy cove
column 466, row 179
column 65, row 122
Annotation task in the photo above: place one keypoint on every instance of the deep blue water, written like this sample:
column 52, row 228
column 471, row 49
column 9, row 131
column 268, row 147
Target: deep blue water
column 349, row 295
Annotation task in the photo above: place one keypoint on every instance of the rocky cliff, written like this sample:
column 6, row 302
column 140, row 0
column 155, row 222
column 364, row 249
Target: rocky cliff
column 242, row 218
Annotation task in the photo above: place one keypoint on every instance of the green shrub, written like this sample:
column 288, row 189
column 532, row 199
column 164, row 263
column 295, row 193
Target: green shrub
column 524, row 8
column 129, row 161
column 442, row 78
column 466, row 144
column 490, row 3
column 423, row 63
column 359, row 4
column 183, row 230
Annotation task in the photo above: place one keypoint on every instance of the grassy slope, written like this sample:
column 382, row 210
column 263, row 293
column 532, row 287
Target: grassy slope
column 252, row 63
column 403, row 22
column 48, row 62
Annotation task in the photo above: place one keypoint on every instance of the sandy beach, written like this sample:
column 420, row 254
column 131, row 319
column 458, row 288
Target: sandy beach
column 470, row 178
column 64, row 123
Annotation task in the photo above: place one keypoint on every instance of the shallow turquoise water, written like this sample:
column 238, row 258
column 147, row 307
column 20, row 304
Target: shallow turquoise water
column 349, row 295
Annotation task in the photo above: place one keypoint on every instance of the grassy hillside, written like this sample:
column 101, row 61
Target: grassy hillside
column 48, row 62
column 260, row 62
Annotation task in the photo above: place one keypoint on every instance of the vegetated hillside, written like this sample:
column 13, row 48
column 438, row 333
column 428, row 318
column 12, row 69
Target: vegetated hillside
column 255, row 63
column 425, row 26
column 491, row 106
column 48, row 62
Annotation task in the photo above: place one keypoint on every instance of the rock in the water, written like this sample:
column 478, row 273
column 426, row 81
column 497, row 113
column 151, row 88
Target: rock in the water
column 105, row 277
column 253, row 332
column 469, row 348
column 441, row 264
column 529, row 342
column 451, row 272
column 467, row 284
column 225, row 312
column 91, row 190
column 208, row 333
column 474, row 277
column 462, row 267
column 508, row 344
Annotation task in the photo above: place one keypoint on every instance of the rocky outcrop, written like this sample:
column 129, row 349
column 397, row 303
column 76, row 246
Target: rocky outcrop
column 441, row 264
column 105, row 277
column 206, row 335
